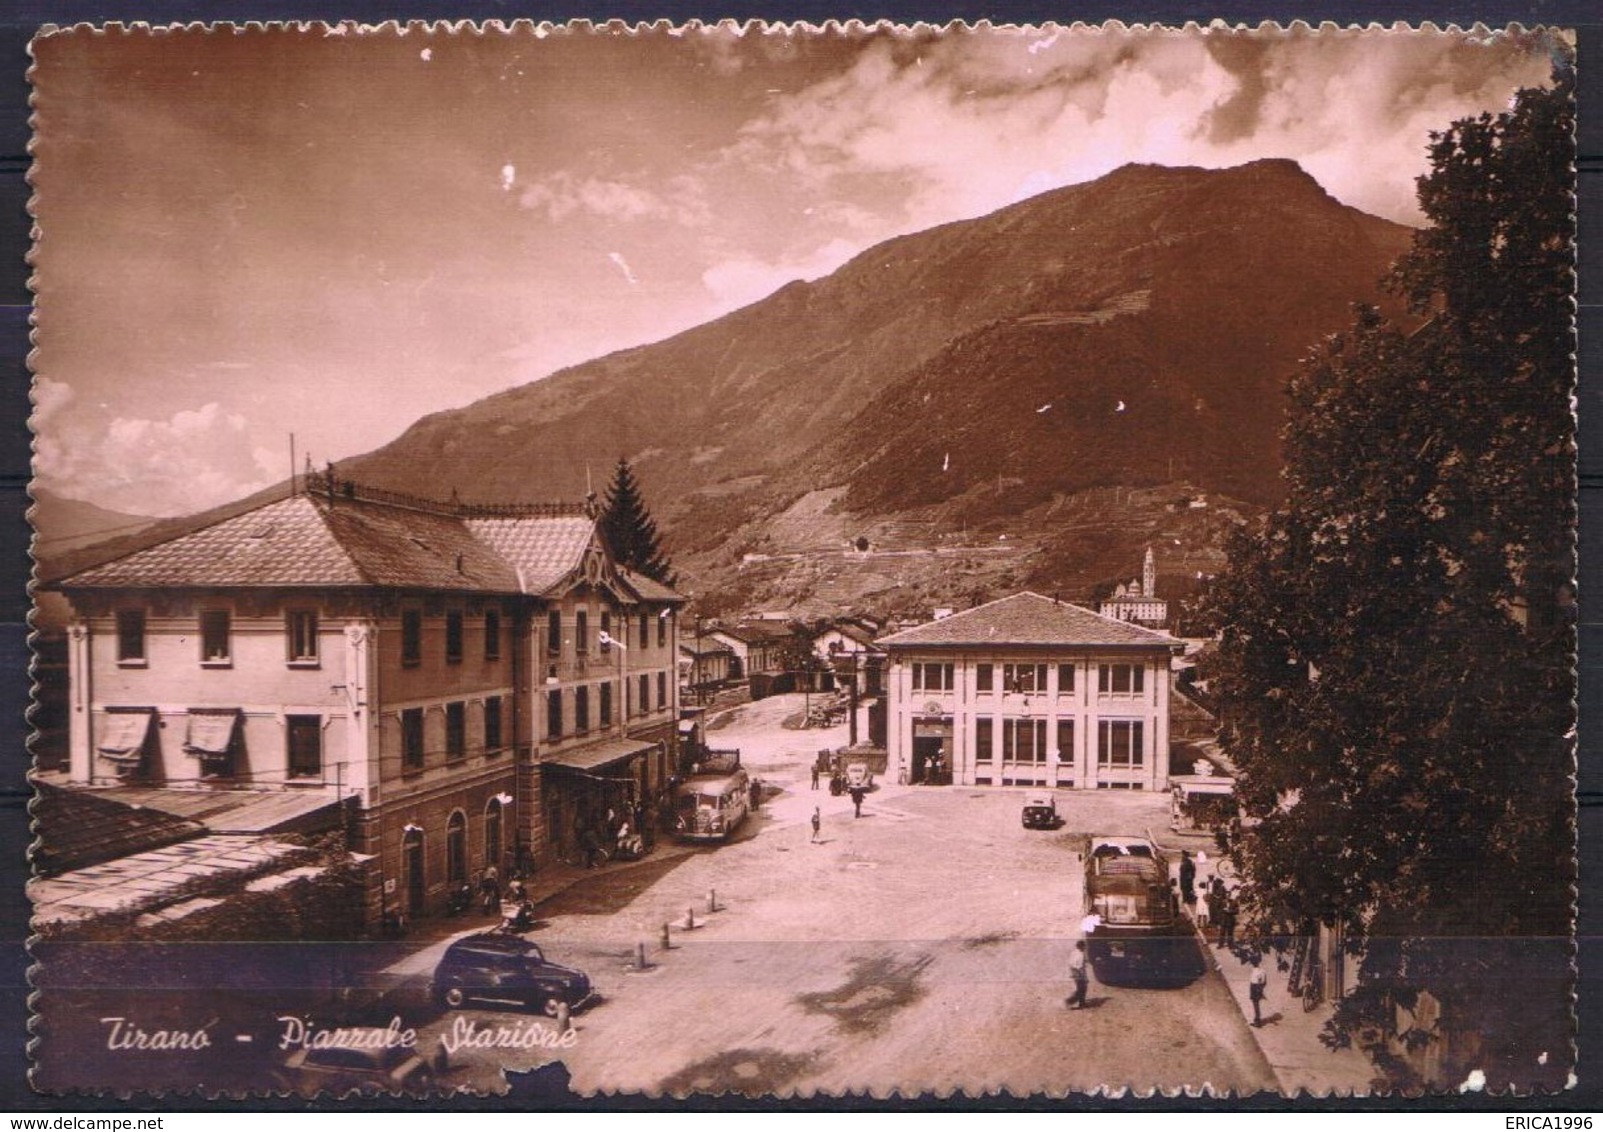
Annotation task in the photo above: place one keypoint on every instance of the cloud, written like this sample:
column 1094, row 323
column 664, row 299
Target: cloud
column 742, row 280
column 971, row 122
column 564, row 194
column 195, row 459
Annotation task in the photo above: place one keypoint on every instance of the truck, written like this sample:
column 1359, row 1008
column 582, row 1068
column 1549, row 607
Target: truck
column 1134, row 929
column 851, row 768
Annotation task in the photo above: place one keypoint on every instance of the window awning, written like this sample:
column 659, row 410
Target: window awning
column 211, row 731
column 1202, row 784
column 123, row 735
column 595, row 755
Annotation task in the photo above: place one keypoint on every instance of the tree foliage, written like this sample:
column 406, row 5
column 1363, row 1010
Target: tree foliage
column 1395, row 668
column 630, row 529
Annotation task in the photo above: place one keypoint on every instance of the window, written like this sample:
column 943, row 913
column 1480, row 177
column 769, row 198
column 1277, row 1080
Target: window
column 662, row 629
column 581, row 632
column 662, row 689
column 130, row 636
column 412, row 739
column 606, row 631
column 492, row 724
column 983, row 677
column 932, row 677
column 492, row 833
column 1024, row 678
column 553, row 714
column 1024, row 741
column 553, row 632
column 456, row 731
column 1119, row 745
column 1065, row 679
column 492, row 634
column 411, row 636
column 305, row 737
column 984, row 741
column 300, row 634
column 643, row 703
column 581, row 710
column 1066, row 741
column 456, row 848
column 606, row 704
column 453, row 637
column 214, row 631
column 1121, row 679
column 645, row 630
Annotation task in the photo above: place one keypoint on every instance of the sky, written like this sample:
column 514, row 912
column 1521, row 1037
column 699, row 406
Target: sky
column 331, row 233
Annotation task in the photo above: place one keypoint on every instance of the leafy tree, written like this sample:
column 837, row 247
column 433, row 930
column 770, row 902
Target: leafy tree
column 629, row 528
column 1395, row 670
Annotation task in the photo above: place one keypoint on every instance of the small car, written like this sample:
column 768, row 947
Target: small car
column 366, row 1062
column 503, row 968
column 1041, row 811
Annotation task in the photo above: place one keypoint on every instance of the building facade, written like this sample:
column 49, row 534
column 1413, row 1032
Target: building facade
column 1030, row 691
column 396, row 654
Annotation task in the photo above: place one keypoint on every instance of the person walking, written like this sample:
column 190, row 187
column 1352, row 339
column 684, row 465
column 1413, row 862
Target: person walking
column 1227, row 917
column 857, row 801
column 1257, row 987
column 818, row 823
column 1188, row 881
column 815, row 776
column 1081, row 976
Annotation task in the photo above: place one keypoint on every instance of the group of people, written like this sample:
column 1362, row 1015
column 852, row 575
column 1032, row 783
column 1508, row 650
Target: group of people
column 622, row 836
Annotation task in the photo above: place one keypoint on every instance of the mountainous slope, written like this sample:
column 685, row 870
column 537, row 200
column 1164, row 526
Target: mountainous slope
column 963, row 389
column 67, row 524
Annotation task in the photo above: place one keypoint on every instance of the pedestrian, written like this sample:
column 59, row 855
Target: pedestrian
column 818, row 823
column 1174, row 898
column 815, row 776
column 857, row 801
column 1188, row 879
column 1080, row 975
column 1227, row 917
column 1257, row 987
column 756, row 793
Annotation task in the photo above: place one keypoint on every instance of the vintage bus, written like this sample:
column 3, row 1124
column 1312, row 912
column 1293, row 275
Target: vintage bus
column 1134, row 929
column 710, row 807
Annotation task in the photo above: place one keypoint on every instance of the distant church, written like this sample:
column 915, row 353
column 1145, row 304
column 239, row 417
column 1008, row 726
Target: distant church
column 1138, row 600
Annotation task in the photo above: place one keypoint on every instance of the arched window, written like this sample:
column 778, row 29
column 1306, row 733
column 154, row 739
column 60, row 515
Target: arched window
column 456, row 848
column 492, row 833
column 413, row 875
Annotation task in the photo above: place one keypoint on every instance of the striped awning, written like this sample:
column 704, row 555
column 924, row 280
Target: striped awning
column 211, row 731
column 123, row 734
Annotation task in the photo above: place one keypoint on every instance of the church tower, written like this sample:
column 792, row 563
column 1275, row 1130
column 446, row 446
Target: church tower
column 1149, row 576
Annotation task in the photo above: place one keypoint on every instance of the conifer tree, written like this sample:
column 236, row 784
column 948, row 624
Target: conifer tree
column 629, row 528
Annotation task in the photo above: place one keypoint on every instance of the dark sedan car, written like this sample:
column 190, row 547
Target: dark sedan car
column 505, row 969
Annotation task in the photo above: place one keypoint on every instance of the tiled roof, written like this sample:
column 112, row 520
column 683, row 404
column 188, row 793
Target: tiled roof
column 78, row 829
column 314, row 540
column 649, row 589
column 1028, row 619
column 750, row 632
column 542, row 551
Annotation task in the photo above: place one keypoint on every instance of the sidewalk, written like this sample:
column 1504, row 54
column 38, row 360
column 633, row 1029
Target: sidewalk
column 1289, row 1036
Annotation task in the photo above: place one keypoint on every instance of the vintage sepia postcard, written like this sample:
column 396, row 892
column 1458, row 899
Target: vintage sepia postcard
column 790, row 561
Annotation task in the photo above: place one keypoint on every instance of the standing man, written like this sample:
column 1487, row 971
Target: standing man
column 1257, row 987
column 1227, row 915
column 857, row 801
column 818, row 823
column 1188, row 881
column 815, row 774
column 1080, row 975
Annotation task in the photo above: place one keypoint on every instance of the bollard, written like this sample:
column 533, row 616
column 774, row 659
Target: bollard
column 690, row 919
column 667, row 941
column 564, row 1017
column 712, row 901
column 640, row 956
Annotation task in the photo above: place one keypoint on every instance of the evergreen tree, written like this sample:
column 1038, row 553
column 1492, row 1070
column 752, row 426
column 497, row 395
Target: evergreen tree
column 629, row 528
column 1395, row 670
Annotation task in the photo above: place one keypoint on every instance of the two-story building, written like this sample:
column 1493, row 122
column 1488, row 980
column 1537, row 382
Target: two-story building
column 756, row 646
column 1030, row 691
column 466, row 678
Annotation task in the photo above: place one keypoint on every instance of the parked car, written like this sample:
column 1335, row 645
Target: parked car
column 504, row 968
column 364, row 1063
column 1041, row 811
